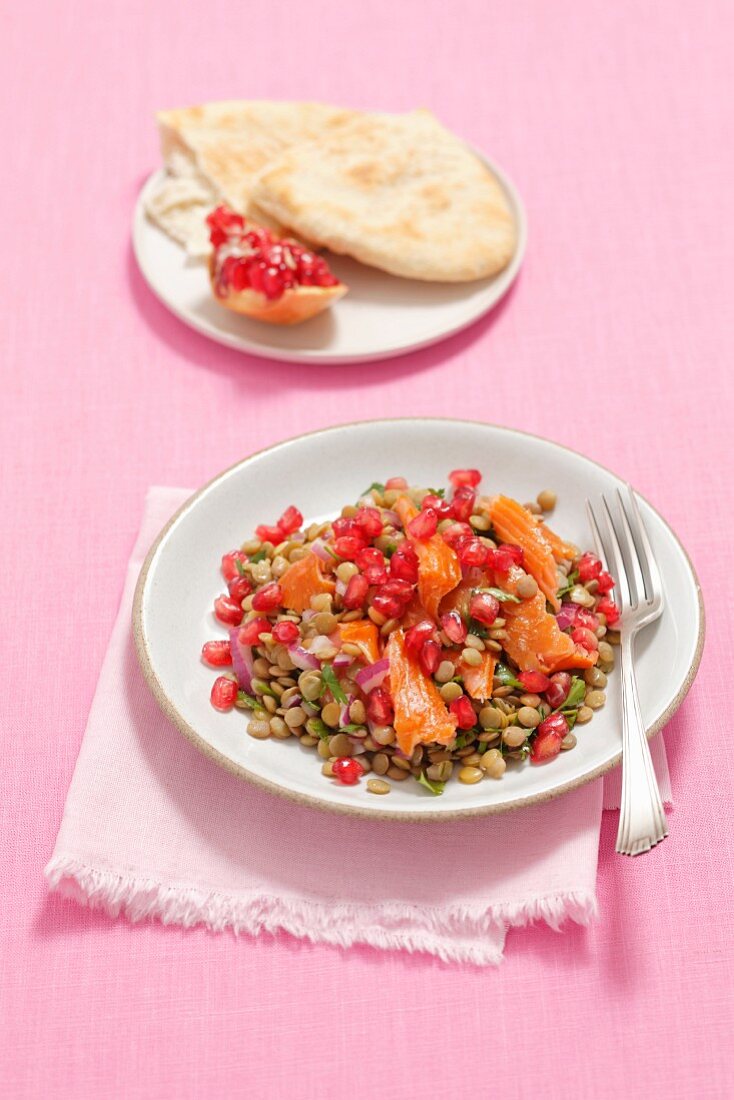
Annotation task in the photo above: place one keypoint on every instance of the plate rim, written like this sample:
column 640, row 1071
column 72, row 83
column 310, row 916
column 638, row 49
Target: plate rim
column 504, row 281
column 312, row 801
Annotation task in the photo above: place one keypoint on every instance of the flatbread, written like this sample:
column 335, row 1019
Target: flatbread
column 398, row 192
column 218, row 149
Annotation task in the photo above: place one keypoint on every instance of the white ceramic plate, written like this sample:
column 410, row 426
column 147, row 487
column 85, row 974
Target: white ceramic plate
column 320, row 472
column 381, row 316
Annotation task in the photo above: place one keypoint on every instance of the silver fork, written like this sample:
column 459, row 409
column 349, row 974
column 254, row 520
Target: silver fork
column 639, row 590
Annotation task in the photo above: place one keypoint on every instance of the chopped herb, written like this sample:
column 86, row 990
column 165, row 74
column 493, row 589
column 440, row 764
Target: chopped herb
column 430, row 784
column 352, row 728
column 262, row 553
column 499, row 594
column 575, row 695
column 331, row 682
column 333, row 553
column 248, row 700
column 375, row 485
column 507, row 677
column 571, row 716
column 239, row 567
column 440, row 493
column 571, row 580
column 315, row 725
column 477, row 629
column 390, row 550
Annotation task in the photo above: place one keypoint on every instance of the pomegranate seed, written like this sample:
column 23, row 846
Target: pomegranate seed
column 554, row 723
column 229, row 564
column 286, row 632
column 348, row 546
column 465, row 477
column 484, row 607
column 224, row 693
column 455, row 533
column 239, row 588
column 389, row 606
column 462, row 505
column 501, row 560
column 463, row 711
column 222, row 222
column 343, row 526
column 269, row 533
column 454, row 626
column 586, row 618
column 609, row 609
column 404, row 563
column 441, row 507
column 227, row 611
column 375, row 574
column 423, row 526
column 268, row 598
column 589, row 568
column 251, row 631
column 396, row 483
column 401, row 590
column 239, row 276
column 557, row 691
column 585, row 638
column 368, row 557
column 417, row 635
column 546, row 746
column 472, row 553
column 290, row 521
column 516, row 552
column 356, row 592
column 347, row 770
column 429, row 657
column 379, row 707
column 369, row 522
column 534, row 682
column 605, row 582
column 216, row 654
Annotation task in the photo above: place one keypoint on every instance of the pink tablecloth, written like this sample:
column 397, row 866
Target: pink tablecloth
column 616, row 122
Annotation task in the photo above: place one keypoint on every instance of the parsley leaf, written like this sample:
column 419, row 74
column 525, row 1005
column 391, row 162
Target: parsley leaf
column 375, row 485
column 440, row 493
column 390, row 550
column 572, row 580
column 507, row 677
column 499, row 594
column 430, row 784
column 575, row 695
column 248, row 700
column 239, row 567
column 258, row 556
column 351, row 728
column 331, row 682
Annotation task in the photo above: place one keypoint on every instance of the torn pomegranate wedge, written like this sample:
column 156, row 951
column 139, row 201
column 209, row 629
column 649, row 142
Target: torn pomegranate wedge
column 271, row 278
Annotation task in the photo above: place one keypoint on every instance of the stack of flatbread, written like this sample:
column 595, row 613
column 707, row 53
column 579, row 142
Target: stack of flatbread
column 397, row 192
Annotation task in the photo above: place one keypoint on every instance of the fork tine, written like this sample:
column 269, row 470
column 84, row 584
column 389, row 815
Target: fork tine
column 620, row 570
column 653, row 582
column 633, row 552
column 596, row 534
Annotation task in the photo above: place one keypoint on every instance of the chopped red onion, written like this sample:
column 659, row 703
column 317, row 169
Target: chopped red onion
column 342, row 661
column 566, row 617
column 322, row 647
column 302, row 658
column 372, row 676
column 388, row 516
column 242, row 660
column 318, row 547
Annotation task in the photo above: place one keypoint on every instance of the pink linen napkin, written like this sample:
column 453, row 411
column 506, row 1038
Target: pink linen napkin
column 152, row 828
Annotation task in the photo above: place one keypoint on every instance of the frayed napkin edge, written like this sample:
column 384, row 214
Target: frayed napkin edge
column 341, row 926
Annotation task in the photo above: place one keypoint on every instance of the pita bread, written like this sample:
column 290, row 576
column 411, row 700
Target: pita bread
column 218, row 149
column 398, row 192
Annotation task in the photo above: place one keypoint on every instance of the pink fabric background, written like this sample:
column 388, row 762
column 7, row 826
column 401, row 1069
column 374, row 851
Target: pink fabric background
column 616, row 123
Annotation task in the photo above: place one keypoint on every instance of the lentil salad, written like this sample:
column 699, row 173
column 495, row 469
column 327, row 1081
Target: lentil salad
column 421, row 634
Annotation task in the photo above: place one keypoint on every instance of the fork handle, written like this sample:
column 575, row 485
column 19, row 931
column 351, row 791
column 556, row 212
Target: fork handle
column 642, row 822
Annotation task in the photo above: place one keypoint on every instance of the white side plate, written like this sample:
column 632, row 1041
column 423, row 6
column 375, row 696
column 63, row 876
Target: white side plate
column 319, row 473
column 381, row 315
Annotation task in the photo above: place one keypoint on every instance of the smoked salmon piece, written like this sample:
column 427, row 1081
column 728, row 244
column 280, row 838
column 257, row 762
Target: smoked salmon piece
column 514, row 524
column 535, row 642
column 439, row 569
column 363, row 633
column 478, row 678
column 303, row 580
column 421, row 715
column 562, row 551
